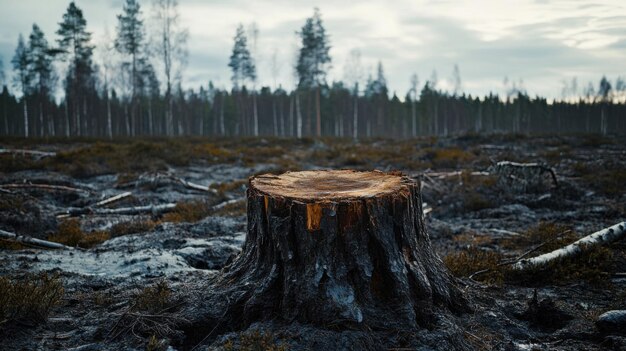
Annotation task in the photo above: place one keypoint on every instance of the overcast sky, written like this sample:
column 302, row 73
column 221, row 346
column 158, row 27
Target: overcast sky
column 541, row 43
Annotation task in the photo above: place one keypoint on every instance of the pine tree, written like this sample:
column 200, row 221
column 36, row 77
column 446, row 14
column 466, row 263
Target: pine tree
column 42, row 72
column 22, row 80
column 313, row 60
column 242, row 65
column 241, row 62
column 75, row 43
column 129, row 41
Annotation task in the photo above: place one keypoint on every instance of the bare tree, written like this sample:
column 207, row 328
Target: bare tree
column 170, row 44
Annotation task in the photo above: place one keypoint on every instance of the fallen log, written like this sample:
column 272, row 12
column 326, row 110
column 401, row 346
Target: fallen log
column 601, row 237
column 33, row 241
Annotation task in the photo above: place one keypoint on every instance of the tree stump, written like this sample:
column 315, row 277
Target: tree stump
column 335, row 248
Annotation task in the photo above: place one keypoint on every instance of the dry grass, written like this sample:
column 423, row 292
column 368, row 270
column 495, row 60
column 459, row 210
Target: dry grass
column 28, row 299
column 590, row 266
column 451, row 157
column 550, row 236
column 190, row 211
column 472, row 260
column 132, row 227
column 70, row 234
column 153, row 298
column 255, row 341
column 151, row 315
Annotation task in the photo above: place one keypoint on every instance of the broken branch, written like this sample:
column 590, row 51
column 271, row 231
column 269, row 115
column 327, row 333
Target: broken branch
column 112, row 199
column 48, row 187
column 33, row 241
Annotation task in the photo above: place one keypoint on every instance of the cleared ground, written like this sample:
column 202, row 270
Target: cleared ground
column 128, row 285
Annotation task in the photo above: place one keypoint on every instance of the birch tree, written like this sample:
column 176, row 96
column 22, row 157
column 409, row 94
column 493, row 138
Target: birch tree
column 170, row 44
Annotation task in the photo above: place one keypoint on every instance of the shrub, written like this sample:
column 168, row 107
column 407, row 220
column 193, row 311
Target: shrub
column 191, row 211
column 255, row 341
column 29, row 299
column 131, row 227
column 154, row 298
column 70, row 234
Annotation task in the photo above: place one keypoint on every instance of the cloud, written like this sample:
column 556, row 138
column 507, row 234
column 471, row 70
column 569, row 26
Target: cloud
column 541, row 42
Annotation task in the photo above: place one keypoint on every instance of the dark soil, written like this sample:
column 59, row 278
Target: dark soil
column 141, row 281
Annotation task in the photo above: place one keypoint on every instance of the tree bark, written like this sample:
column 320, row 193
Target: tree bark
column 341, row 248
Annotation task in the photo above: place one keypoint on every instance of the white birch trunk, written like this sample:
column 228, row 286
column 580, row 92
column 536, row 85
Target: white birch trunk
column 604, row 236
column 299, row 117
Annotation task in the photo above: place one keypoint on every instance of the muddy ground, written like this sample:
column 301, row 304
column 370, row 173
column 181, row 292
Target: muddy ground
column 129, row 282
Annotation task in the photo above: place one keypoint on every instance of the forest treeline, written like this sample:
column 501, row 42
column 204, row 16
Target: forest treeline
column 141, row 94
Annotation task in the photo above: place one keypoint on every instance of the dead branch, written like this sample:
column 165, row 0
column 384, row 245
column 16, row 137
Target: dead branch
column 604, row 236
column 154, row 209
column 443, row 175
column 134, row 210
column 193, row 186
column 37, row 153
column 33, row 241
column 226, row 203
column 48, row 187
column 153, row 179
column 112, row 199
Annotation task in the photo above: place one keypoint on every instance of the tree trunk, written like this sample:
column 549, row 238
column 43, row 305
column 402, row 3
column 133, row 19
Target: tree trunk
column 25, row 117
column 355, row 116
column 318, row 113
column 255, row 115
column 299, row 117
column 342, row 248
